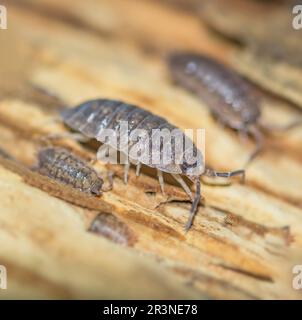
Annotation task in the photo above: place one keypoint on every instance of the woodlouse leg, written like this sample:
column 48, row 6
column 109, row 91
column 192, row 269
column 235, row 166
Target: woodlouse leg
column 180, row 180
column 110, row 175
column 243, row 135
column 212, row 173
column 258, row 137
column 138, row 168
column 127, row 167
column 194, row 206
column 161, row 180
column 102, row 154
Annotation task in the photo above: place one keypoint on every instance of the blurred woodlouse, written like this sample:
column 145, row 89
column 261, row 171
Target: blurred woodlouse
column 232, row 99
column 112, row 228
column 92, row 117
column 63, row 166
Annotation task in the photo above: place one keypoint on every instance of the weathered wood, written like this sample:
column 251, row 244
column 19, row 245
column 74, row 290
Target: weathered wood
column 272, row 57
column 245, row 238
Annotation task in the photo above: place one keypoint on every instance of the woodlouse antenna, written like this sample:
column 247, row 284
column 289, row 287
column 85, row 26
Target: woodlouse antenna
column 212, row 173
column 194, row 206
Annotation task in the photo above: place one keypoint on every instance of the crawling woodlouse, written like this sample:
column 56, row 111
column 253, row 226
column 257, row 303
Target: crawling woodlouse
column 65, row 167
column 93, row 117
column 232, row 99
column 112, row 228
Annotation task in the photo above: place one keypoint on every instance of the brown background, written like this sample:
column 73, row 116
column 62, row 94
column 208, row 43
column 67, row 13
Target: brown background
column 245, row 239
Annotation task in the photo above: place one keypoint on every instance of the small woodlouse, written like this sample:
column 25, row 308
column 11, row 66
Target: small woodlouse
column 92, row 117
column 112, row 228
column 232, row 99
column 63, row 166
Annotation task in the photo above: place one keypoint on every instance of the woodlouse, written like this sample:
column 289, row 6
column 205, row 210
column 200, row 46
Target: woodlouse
column 63, row 166
column 233, row 100
column 92, row 117
column 112, row 228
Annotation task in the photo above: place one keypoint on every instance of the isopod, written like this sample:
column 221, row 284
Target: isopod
column 93, row 117
column 61, row 165
column 112, row 228
column 232, row 99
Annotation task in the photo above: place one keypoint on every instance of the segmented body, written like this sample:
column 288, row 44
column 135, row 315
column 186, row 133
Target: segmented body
column 59, row 164
column 231, row 98
column 93, row 117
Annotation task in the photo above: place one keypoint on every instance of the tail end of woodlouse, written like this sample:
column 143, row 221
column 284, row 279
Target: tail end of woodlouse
column 194, row 206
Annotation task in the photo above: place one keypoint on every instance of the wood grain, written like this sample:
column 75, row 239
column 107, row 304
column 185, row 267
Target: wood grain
column 245, row 238
column 271, row 46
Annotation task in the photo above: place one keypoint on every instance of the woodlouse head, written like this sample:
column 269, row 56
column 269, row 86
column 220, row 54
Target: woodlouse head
column 184, row 65
column 193, row 164
column 46, row 155
column 96, row 188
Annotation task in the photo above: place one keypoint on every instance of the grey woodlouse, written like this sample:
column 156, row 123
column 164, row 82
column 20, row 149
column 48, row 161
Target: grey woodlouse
column 92, row 117
column 232, row 99
column 112, row 228
column 63, row 166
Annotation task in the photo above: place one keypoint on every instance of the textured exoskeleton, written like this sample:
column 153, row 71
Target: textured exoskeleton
column 92, row 118
column 232, row 99
column 61, row 165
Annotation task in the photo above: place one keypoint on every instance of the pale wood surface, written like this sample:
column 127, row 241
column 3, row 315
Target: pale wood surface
column 245, row 238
